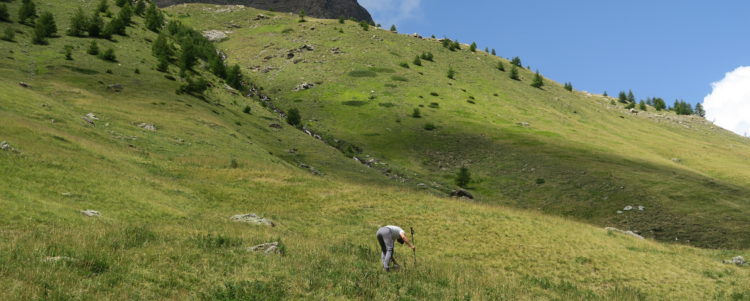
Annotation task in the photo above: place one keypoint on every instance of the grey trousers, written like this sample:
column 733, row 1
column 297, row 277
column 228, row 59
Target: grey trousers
column 385, row 239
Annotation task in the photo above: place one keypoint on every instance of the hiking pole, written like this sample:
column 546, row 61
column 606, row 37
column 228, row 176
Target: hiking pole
column 414, row 243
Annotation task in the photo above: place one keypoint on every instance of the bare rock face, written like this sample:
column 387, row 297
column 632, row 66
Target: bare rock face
column 326, row 9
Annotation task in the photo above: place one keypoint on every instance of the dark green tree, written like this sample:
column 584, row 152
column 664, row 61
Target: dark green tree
column 365, row 26
column 163, row 65
column 622, row 97
column 103, row 6
column 538, row 81
column 451, row 73
column 416, row 113
column 302, row 16
column 293, row 117
column 115, row 26
column 417, row 61
column 93, row 48
column 463, row 177
column 516, row 61
column 630, row 105
column 393, row 28
column 121, row 3
column 659, row 104
column 188, row 56
column 161, row 47
column 699, row 110
column 68, row 50
column 154, row 18
column 217, row 66
column 194, row 87
column 514, row 73
column 95, row 26
column 8, row 35
column 44, row 28
column 427, row 56
column 631, row 97
column 126, row 13
column 569, row 87
column 605, row 94
column 500, row 66
column 140, row 8
column 4, row 14
column 341, row 20
column 108, row 55
column 235, row 78
column 473, row 47
column 493, row 52
column 642, row 106
column 78, row 23
column 27, row 12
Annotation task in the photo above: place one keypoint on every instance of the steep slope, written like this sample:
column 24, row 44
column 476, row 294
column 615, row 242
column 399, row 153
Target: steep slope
column 568, row 153
column 330, row 9
column 165, row 198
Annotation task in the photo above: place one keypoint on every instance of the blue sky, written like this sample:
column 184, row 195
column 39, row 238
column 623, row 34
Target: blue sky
column 670, row 49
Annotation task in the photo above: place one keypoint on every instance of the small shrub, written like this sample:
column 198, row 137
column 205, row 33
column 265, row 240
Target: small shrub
column 108, row 55
column 246, row 110
column 427, row 56
column 93, row 48
column 137, row 71
column 234, row 164
column 209, row 241
column 417, row 61
column 473, row 47
column 493, row 52
column 642, row 106
column 429, row 126
column 26, row 12
column 399, row 78
column 538, row 81
column 8, row 35
column 404, row 65
column 4, row 15
column 516, row 61
column 540, row 181
column 365, row 26
column 513, row 74
column 569, row 87
column 434, row 105
column 463, row 177
column 434, row 94
column 78, row 23
column 194, row 87
column 393, row 28
column 500, row 66
column 68, row 50
column 451, row 73
column 293, row 117
column 163, row 65
column 341, row 20
column 302, row 16
column 416, row 113
column 108, row 71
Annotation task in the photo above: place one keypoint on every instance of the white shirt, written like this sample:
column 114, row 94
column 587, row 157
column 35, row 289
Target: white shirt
column 396, row 231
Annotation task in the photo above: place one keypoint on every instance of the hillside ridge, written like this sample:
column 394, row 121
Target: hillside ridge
column 327, row 9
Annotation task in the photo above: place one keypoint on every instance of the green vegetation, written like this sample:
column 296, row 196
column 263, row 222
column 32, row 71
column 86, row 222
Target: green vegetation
column 293, row 117
column 682, row 107
column 473, row 47
column 79, row 23
column 108, row 55
column 393, row 28
column 166, row 196
column 500, row 66
column 514, row 73
column 538, row 81
column 27, row 12
column 416, row 113
column 568, row 86
column 463, row 177
column 4, row 14
column 451, row 73
column 93, row 48
column 8, row 35
column 417, row 61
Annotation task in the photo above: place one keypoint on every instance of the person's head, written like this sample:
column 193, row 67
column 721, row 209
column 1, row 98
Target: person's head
column 400, row 240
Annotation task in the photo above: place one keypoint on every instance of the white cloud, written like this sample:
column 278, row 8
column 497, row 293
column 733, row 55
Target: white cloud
column 728, row 105
column 389, row 12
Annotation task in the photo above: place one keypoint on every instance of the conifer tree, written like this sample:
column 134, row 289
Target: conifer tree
column 473, row 47
column 605, row 94
column 500, row 66
column 217, row 66
column 569, row 87
column 493, row 52
column 451, row 73
column 108, row 55
column 140, row 8
column 234, row 78
column 161, row 47
column 103, row 6
column 417, row 61
column 163, row 65
column 463, row 177
column 302, row 16
column 699, row 110
column 642, row 106
column 393, row 28
column 44, row 28
column 8, row 35
column 26, row 12
column 4, row 15
column 538, row 81
column 622, row 97
column 516, row 61
column 121, row 3
column 78, row 23
column 631, row 97
column 514, row 73
column 95, row 26
column 154, row 18
column 188, row 56
column 659, row 104
column 126, row 14
column 93, row 48
column 416, row 113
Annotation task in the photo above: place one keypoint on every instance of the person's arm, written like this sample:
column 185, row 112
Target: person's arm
column 406, row 240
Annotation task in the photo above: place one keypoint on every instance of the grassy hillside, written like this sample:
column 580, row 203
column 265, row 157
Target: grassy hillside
column 567, row 153
column 166, row 198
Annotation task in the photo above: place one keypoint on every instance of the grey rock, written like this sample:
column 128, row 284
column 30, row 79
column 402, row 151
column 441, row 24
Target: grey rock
column 676, row 160
column 275, row 125
column 88, row 120
column 115, row 87
column 523, row 124
column 5, row 146
column 252, row 218
column 91, row 213
column 58, row 259
column 25, row 85
column 619, row 212
column 307, row 47
column 627, row 208
column 460, row 193
column 147, row 126
column 91, row 116
column 737, row 260
column 266, row 248
column 641, row 208
column 630, row 233
column 215, row 35
column 303, row 86
column 260, row 17
column 336, row 50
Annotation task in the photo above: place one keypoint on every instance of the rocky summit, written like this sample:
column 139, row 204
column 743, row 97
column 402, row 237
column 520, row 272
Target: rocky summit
column 327, row 9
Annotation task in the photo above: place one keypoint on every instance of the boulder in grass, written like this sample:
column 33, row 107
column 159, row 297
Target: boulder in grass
column 147, row 126
column 460, row 193
column 629, row 233
column 738, row 261
column 252, row 218
column 91, row 213
column 266, row 248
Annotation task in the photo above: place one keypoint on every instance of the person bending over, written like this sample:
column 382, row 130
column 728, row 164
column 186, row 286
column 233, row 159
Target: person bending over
column 386, row 236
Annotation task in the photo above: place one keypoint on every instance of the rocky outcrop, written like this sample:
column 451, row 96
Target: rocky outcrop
column 327, row 9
